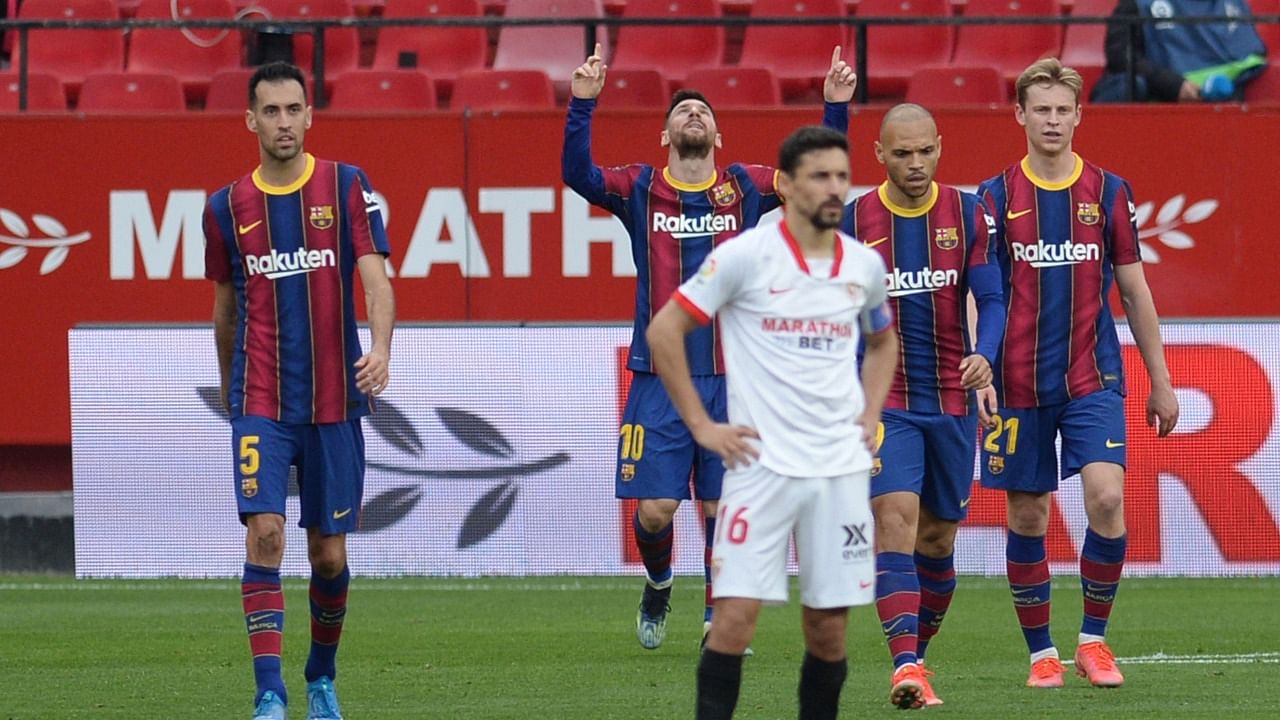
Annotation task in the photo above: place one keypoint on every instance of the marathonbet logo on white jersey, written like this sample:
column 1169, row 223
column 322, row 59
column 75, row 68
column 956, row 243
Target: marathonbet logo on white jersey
column 279, row 265
column 1043, row 254
column 681, row 227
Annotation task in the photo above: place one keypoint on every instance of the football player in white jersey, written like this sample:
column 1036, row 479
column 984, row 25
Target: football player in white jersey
column 793, row 300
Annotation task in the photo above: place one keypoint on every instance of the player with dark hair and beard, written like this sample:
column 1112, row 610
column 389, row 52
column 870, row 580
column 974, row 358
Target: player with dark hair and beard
column 675, row 216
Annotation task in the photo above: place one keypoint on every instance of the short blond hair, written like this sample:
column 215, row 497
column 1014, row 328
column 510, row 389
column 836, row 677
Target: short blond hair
column 1048, row 71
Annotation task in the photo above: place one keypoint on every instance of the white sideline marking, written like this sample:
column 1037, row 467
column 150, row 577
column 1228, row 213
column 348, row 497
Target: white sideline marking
column 1231, row 659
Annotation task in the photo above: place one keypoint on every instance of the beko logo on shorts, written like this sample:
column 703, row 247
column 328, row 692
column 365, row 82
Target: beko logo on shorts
column 924, row 280
column 278, row 265
column 680, row 226
column 1044, row 254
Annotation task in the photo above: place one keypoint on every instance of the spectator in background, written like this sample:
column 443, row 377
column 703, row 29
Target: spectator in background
column 1181, row 62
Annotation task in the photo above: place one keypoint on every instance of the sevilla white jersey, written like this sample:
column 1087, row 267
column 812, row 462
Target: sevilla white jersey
column 790, row 334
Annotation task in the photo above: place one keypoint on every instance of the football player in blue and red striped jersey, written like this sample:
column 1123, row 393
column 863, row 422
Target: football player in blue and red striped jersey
column 675, row 215
column 935, row 241
column 282, row 245
column 1066, row 230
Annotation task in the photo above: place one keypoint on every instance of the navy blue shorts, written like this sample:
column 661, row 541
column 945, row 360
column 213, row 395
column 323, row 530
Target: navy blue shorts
column 1019, row 453
column 330, row 461
column 656, row 452
column 929, row 455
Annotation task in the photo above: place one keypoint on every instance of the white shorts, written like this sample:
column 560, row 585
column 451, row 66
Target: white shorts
column 834, row 535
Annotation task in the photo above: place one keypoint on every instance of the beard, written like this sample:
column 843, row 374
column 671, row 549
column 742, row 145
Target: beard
column 826, row 218
column 692, row 148
column 283, row 155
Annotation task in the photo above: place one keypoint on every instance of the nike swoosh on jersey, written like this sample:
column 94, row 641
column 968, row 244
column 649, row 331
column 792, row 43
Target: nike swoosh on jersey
column 874, row 243
column 339, row 514
column 1113, row 445
column 779, row 291
column 1015, row 215
column 246, row 228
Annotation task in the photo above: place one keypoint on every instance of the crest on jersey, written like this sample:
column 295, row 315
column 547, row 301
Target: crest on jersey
column 1088, row 213
column 321, row 216
column 854, row 290
column 724, row 194
column 876, row 466
column 249, row 487
column 995, row 464
column 946, row 238
column 708, row 268
column 628, row 472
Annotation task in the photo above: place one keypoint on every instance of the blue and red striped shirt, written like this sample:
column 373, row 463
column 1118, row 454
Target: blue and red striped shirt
column 1059, row 243
column 673, row 225
column 933, row 256
column 290, row 252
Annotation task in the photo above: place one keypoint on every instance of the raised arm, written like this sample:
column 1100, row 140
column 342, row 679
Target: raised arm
column 576, row 167
column 837, row 91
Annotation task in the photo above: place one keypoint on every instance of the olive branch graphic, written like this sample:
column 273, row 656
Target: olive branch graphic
column 21, row 242
column 1171, row 217
column 486, row 515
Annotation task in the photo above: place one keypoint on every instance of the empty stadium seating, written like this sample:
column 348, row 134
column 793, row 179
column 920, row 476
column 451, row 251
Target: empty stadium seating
column 441, row 52
column 895, row 51
column 555, row 50
column 44, row 93
column 726, row 87
column 1082, row 45
column 672, row 50
column 635, row 89
column 191, row 55
column 503, row 90
column 341, row 45
column 131, row 92
column 956, row 85
column 1009, row 49
column 70, row 55
column 372, row 91
column 798, row 55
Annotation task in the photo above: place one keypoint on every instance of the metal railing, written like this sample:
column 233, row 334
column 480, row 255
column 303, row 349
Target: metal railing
column 591, row 26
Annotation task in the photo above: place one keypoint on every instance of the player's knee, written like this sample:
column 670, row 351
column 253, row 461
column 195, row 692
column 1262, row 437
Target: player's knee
column 824, row 634
column 1106, row 503
column 327, row 560
column 656, row 514
column 1029, row 518
column 936, row 540
column 266, row 545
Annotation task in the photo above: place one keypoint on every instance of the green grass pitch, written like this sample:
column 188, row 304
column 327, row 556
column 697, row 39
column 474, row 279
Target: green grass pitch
column 565, row 648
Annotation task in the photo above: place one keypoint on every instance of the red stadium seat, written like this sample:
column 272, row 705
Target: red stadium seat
column 503, row 90
column 756, row 87
column 672, row 50
column 1265, row 89
column 1008, row 48
column 131, row 92
column 553, row 49
column 441, row 52
column 341, row 45
column 370, row 91
column 798, row 55
column 635, row 89
column 72, row 54
column 1083, row 45
column 44, row 93
column 956, row 85
column 1270, row 32
column 895, row 51
column 191, row 55
column 229, row 90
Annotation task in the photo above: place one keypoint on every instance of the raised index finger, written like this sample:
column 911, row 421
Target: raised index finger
column 835, row 56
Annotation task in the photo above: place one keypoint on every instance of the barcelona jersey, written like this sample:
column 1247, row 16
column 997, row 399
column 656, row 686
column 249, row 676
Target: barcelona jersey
column 290, row 252
column 673, row 226
column 933, row 255
column 1058, row 245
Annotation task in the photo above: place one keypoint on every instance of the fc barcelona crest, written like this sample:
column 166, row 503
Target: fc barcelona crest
column 946, row 238
column 1088, row 213
column 725, row 194
column 249, row 487
column 628, row 472
column 321, row 216
column 995, row 464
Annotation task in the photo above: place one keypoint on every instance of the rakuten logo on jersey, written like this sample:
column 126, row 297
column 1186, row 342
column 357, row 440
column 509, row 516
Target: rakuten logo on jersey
column 924, row 280
column 682, row 227
column 1044, row 254
column 278, row 265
